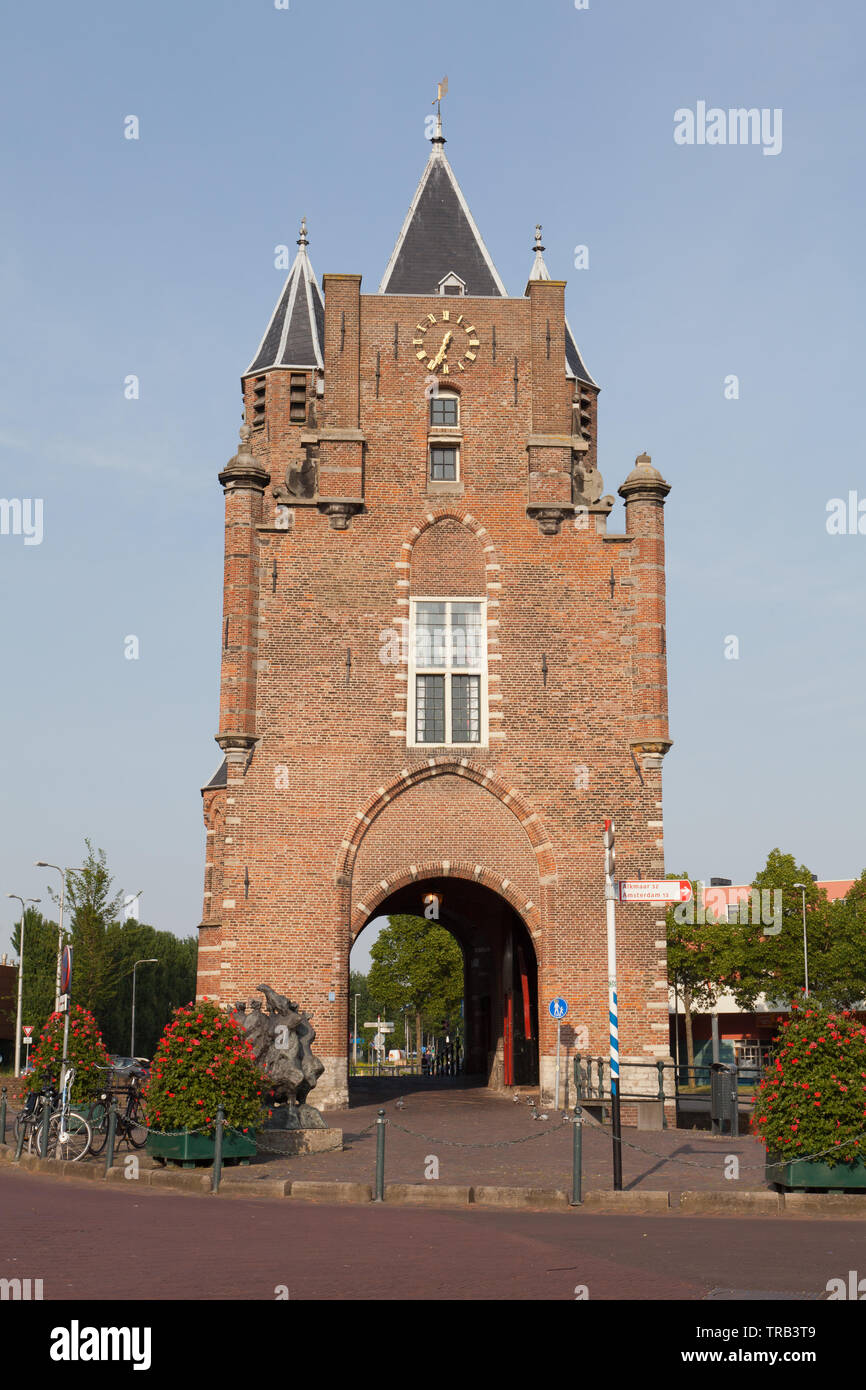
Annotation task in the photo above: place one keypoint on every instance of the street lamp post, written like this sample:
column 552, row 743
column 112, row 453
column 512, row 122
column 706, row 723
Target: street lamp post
column 355, row 1038
column 151, row 960
column 18, row 1018
column 802, row 887
column 42, row 864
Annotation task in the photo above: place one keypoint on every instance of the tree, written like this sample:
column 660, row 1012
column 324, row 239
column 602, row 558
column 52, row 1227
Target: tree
column 417, row 963
column 40, row 966
column 696, row 952
column 763, row 960
column 159, row 988
column 92, row 906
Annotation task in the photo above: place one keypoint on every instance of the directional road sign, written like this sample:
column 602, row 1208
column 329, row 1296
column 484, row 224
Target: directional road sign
column 654, row 890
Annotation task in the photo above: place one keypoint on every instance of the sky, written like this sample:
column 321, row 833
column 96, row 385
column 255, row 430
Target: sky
column 154, row 258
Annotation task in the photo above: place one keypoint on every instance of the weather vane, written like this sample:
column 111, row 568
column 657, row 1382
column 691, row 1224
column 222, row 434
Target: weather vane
column 441, row 91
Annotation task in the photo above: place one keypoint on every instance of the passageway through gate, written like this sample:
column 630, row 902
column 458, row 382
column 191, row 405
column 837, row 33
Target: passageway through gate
column 500, row 1005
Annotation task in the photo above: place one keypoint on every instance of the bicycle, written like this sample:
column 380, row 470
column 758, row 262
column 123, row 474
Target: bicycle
column 69, row 1133
column 128, row 1127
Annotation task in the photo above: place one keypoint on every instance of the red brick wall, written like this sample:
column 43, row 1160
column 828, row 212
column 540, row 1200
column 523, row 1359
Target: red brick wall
column 327, row 737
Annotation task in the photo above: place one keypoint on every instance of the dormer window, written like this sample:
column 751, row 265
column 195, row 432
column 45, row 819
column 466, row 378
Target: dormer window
column 452, row 284
column 444, row 410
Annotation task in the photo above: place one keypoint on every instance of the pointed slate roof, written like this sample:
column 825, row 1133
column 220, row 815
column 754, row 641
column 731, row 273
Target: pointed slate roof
column 574, row 368
column 439, row 237
column 296, row 331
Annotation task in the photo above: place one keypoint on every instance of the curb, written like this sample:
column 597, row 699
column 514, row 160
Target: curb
column 754, row 1201
column 748, row 1202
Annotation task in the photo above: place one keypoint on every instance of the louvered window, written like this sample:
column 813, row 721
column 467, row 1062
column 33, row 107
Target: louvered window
column 297, row 398
column 259, row 394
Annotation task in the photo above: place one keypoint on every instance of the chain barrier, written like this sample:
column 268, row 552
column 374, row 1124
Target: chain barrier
column 475, row 1143
column 593, row 1123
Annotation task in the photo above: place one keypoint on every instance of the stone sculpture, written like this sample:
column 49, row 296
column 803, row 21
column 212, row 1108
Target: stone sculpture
column 282, row 1040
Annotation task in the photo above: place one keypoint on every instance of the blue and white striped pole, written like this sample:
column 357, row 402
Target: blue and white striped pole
column 613, row 1012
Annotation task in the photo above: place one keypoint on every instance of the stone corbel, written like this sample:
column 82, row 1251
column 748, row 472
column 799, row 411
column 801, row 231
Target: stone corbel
column 651, row 752
column 340, row 510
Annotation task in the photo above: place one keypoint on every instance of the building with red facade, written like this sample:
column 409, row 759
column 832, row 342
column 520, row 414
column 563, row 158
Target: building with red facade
column 440, row 669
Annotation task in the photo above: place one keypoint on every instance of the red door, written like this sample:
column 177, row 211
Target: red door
column 508, row 1040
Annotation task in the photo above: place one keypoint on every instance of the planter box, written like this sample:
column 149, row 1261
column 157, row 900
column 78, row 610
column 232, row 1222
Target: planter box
column 189, row 1149
column 803, row 1173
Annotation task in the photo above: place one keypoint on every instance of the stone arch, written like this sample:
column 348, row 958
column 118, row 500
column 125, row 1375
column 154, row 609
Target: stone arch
column 445, row 764
column 403, row 572
column 365, row 905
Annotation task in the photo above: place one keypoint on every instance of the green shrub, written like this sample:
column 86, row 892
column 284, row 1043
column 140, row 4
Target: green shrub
column 203, row 1060
column 812, row 1100
column 86, row 1053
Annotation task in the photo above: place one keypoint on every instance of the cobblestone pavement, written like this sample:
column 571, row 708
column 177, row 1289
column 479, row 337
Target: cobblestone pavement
column 481, row 1138
column 517, row 1151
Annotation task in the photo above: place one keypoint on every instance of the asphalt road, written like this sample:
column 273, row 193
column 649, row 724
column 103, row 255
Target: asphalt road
column 93, row 1242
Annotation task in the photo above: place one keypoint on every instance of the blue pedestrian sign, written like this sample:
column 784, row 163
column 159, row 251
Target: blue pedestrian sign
column 557, row 1008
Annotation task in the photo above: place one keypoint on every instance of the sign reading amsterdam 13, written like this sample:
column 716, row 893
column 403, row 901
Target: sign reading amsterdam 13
column 452, row 342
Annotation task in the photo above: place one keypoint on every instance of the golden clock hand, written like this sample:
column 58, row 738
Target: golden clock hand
column 440, row 356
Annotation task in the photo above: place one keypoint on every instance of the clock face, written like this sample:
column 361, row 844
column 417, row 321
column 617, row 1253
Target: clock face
column 446, row 342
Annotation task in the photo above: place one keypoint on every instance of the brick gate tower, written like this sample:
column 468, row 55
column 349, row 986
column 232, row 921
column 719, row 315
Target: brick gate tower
column 440, row 670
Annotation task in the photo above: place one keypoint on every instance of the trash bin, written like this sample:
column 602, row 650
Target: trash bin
column 724, row 1098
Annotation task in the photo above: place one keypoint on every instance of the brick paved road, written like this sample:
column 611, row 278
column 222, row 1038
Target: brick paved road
column 666, row 1160
column 95, row 1242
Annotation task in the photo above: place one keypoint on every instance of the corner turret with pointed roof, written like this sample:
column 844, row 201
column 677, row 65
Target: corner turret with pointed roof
column 574, row 367
column 295, row 333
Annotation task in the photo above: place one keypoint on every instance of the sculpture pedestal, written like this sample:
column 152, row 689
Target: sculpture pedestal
column 298, row 1129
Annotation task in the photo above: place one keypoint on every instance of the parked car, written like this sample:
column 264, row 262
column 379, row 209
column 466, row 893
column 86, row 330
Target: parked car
column 127, row 1071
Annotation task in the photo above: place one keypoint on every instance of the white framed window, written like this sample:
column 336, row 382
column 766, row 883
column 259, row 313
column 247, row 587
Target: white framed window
column 444, row 410
column 444, row 465
column 447, row 672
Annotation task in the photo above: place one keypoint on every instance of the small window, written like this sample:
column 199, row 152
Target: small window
column 452, row 284
column 443, row 462
column 444, row 410
column 259, row 393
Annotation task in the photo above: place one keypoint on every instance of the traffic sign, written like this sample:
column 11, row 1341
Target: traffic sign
column 66, row 970
column 557, row 1008
column 27, row 1029
column 63, row 1004
column 654, row 890
column 381, row 1027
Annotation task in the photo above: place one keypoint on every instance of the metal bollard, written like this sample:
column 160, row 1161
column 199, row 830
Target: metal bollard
column 3, row 1116
column 112, row 1129
column 661, row 1067
column 46, row 1121
column 218, row 1150
column 379, row 1190
column 577, row 1158
column 20, row 1145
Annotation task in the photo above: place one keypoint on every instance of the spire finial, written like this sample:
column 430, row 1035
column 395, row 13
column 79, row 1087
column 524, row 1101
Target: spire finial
column 538, row 248
column 302, row 239
column 441, row 91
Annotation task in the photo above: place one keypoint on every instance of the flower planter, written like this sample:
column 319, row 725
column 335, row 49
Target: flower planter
column 801, row 1173
column 189, row 1148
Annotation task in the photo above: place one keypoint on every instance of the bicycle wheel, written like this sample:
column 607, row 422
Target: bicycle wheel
column 33, row 1143
column 98, row 1130
column 136, row 1130
column 71, row 1142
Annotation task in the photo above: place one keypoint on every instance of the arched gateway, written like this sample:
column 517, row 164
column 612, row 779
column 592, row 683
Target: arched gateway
column 440, row 670
column 500, row 973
